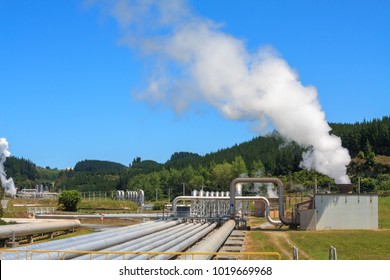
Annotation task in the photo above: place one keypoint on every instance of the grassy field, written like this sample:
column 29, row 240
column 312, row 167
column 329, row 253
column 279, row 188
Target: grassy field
column 106, row 206
column 384, row 212
column 314, row 245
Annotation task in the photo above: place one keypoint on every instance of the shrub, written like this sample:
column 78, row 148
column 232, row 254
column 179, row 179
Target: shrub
column 158, row 206
column 69, row 200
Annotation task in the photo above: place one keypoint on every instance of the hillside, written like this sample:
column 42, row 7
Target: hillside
column 267, row 155
column 98, row 165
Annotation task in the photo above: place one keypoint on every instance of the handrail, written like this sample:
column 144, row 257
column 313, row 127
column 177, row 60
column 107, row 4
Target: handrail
column 62, row 253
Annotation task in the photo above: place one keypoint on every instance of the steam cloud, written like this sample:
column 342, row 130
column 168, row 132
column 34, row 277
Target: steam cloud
column 194, row 61
column 8, row 184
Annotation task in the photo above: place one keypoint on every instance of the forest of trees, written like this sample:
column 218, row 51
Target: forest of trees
column 98, row 165
column 271, row 155
column 355, row 137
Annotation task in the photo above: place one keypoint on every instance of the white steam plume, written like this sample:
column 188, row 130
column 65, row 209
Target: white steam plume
column 8, row 184
column 195, row 61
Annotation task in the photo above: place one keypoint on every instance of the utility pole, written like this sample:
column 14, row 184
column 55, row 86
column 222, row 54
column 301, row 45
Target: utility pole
column 156, row 195
column 169, row 195
column 358, row 184
column 184, row 189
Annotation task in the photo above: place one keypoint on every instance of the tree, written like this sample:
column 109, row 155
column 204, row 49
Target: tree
column 239, row 167
column 369, row 153
column 222, row 175
column 196, row 182
column 69, row 200
column 258, row 169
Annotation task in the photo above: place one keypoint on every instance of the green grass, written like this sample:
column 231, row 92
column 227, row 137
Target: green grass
column 350, row 244
column 259, row 243
column 314, row 245
column 384, row 212
column 123, row 205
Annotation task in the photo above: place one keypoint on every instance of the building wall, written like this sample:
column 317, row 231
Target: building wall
column 346, row 211
column 307, row 219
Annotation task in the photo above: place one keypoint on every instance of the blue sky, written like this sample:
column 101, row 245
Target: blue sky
column 66, row 81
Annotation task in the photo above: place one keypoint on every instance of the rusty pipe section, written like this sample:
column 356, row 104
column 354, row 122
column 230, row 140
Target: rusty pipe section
column 275, row 181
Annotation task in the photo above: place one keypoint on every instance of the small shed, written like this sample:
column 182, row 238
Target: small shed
column 341, row 211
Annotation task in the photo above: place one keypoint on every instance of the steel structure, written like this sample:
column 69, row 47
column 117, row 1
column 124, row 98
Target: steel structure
column 236, row 183
column 137, row 197
column 217, row 207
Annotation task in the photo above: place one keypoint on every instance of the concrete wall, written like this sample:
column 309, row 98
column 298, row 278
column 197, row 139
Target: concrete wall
column 346, row 211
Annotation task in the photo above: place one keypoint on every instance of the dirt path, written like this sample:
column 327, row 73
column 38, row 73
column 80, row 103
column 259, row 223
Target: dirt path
column 280, row 241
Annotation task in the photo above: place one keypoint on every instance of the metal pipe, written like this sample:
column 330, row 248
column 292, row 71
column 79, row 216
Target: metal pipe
column 114, row 240
column 35, row 228
column 95, row 241
column 240, row 198
column 156, row 239
column 63, row 243
column 186, row 242
column 258, row 180
column 134, row 244
column 212, row 243
column 106, row 216
column 178, row 238
column 157, row 244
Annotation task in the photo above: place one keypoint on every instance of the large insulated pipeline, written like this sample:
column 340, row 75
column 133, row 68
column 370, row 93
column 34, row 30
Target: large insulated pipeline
column 258, row 180
column 63, row 243
column 186, row 242
column 180, row 242
column 239, row 198
column 159, row 245
column 94, row 242
column 36, row 228
column 134, row 244
column 114, row 240
column 212, row 243
column 158, row 241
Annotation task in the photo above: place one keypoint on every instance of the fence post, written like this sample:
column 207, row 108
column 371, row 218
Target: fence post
column 332, row 253
column 295, row 253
